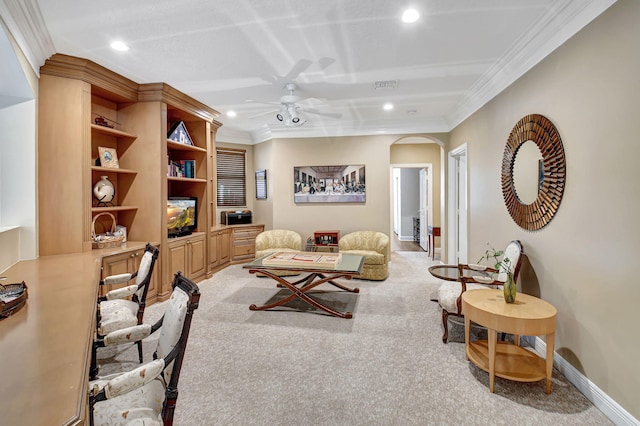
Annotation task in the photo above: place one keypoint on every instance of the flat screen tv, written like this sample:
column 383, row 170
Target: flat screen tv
column 182, row 218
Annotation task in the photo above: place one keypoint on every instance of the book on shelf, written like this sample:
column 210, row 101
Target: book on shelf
column 182, row 168
column 303, row 259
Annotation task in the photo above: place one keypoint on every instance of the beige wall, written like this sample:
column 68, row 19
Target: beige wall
column 372, row 151
column 584, row 260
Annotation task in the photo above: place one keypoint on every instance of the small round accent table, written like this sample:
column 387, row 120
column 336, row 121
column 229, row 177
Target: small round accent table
column 528, row 316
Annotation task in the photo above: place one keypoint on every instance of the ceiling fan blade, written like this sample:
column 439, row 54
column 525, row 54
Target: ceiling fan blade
column 325, row 114
column 264, row 113
column 300, row 67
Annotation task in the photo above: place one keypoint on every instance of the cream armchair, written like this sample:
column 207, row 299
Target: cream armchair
column 374, row 246
column 275, row 240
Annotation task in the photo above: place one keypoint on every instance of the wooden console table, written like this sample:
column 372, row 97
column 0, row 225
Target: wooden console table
column 432, row 232
column 528, row 316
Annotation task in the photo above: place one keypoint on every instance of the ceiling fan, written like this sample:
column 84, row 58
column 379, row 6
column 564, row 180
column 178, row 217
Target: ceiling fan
column 290, row 113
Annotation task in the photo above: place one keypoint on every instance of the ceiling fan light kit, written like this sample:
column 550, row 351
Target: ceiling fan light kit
column 290, row 113
column 290, row 116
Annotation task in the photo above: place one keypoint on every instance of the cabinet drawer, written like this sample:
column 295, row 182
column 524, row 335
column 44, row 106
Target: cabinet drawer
column 244, row 250
column 245, row 234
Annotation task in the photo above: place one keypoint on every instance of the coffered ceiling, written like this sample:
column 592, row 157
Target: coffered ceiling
column 237, row 55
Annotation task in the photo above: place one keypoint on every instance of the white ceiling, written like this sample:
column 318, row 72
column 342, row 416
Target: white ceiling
column 223, row 53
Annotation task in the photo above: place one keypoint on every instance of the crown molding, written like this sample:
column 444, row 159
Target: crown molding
column 337, row 129
column 26, row 24
column 226, row 134
column 562, row 21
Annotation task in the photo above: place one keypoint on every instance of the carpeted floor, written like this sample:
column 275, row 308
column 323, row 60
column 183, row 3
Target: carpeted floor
column 386, row 366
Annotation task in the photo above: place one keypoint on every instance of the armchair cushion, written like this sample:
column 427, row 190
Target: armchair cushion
column 374, row 246
column 275, row 240
column 142, row 403
column 117, row 314
column 450, row 291
column 278, row 240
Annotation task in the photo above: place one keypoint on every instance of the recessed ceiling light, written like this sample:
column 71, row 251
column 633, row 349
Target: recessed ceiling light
column 410, row 16
column 231, row 114
column 388, row 106
column 119, row 46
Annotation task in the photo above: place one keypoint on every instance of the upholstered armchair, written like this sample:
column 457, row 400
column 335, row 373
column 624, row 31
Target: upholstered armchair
column 475, row 277
column 123, row 307
column 374, row 246
column 147, row 395
column 275, row 240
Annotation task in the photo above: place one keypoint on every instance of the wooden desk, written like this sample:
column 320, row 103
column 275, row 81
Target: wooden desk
column 432, row 232
column 528, row 316
column 45, row 347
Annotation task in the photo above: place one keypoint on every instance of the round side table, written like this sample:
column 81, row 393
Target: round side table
column 528, row 316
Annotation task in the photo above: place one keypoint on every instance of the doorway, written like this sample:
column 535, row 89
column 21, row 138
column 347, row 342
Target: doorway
column 412, row 201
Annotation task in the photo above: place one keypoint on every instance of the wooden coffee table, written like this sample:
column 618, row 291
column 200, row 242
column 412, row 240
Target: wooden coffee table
column 528, row 316
column 349, row 266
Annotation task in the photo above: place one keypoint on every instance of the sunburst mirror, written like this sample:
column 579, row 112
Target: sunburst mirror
column 550, row 179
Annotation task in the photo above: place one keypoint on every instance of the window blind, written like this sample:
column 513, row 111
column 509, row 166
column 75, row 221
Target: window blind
column 231, row 177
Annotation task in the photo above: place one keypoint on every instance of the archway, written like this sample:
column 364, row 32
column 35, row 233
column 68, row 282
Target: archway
column 409, row 155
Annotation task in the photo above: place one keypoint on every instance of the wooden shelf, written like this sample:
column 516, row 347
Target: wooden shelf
column 184, row 147
column 512, row 362
column 111, row 132
column 183, row 179
column 112, row 170
column 113, row 209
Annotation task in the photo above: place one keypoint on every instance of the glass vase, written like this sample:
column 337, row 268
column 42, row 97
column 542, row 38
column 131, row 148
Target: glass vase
column 509, row 289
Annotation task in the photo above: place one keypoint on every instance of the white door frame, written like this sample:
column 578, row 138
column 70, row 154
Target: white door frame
column 458, row 236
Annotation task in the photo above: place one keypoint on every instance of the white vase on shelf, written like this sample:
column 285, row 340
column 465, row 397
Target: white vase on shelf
column 104, row 191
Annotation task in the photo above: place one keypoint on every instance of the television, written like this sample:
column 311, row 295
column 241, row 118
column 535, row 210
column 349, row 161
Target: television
column 182, row 216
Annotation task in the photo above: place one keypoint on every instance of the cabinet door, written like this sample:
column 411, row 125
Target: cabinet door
column 177, row 260
column 223, row 247
column 117, row 264
column 214, row 252
column 197, row 258
column 218, row 248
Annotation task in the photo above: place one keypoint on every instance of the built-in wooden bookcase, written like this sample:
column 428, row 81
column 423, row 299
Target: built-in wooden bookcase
column 124, row 206
column 72, row 93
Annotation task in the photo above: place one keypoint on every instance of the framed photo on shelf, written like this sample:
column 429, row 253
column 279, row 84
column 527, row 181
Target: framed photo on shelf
column 108, row 157
column 261, row 184
column 178, row 133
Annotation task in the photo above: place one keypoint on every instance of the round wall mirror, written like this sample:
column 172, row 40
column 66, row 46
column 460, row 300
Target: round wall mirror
column 527, row 172
column 533, row 172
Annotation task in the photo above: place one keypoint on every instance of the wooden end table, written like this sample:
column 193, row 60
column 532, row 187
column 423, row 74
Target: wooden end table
column 528, row 316
column 432, row 233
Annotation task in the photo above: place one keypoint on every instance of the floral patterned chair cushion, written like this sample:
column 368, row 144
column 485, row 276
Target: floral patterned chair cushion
column 374, row 246
column 276, row 240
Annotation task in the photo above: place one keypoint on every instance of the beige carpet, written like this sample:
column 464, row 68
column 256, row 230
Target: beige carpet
column 386, row 366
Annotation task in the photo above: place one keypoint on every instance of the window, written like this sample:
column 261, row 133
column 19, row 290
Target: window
column 231, row 177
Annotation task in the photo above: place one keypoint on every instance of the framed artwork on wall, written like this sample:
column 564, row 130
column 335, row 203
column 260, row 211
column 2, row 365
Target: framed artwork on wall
column 329, row 184
column 261, row 184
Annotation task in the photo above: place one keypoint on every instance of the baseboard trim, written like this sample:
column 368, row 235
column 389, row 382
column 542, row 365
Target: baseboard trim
column 593, row 393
